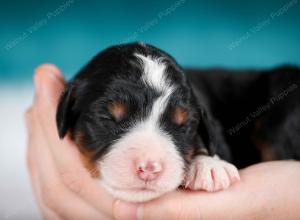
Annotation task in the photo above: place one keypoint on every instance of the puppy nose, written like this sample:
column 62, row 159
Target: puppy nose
column 148, row 171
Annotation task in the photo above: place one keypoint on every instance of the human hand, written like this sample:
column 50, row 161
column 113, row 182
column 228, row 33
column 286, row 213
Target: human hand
column 266, row 191
column 65, row 190
column 62, row 186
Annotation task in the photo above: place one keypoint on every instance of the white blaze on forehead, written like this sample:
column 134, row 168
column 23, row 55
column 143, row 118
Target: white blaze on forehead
column 154, row 72
column 158, row 108
column 155, row 76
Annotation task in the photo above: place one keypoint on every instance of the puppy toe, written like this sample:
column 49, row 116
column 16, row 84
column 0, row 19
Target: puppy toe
column 220, row 177
column 204, row 179
column 211, row 174
column 190, row 178
column 232, row 172
column 199, row 177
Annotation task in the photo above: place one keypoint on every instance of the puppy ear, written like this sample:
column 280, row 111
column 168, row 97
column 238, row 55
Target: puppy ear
column 64, row 114
column 206, row 131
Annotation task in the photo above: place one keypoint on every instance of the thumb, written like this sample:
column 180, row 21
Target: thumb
column 126, row 211
column 176, row 205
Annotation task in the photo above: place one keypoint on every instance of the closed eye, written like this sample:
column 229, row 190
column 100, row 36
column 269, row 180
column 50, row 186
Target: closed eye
column 180, row 115
column 105, row 116
column 117, row 110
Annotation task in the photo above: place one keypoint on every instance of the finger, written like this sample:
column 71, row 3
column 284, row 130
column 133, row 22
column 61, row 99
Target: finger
column 49, row 89
column 36, row 183
column 246, row 199
column 53, row 193
column 126, row 211
column 65, row 153
column 46, row 179
column 47, row 67
column 192, row 205
column 31, row 165
column 172, row 206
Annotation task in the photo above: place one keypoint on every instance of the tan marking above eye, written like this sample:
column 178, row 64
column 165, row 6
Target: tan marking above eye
column 117, row 109
column 180, row 115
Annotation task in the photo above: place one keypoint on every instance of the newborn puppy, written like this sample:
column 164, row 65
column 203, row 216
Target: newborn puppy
column 141, row 130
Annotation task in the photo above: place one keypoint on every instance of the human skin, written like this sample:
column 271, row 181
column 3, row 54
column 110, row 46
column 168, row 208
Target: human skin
column 64, row 189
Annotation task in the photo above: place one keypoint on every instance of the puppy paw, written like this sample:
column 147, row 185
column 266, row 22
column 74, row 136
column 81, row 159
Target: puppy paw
column 211, row 174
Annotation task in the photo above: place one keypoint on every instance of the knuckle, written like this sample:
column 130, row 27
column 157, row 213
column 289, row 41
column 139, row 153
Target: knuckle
column 51, row 195
column 47, row 200
column 73, row 181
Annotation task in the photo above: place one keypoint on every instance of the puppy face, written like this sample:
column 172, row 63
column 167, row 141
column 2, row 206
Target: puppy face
column 133, row 116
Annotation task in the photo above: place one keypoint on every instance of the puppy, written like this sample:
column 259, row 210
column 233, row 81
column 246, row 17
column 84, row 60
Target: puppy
column 145, row 126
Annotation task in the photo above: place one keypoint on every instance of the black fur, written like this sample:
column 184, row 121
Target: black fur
column 253, row 108
column 215, row 100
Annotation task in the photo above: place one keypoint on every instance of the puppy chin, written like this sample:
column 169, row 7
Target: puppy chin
column 133, row 195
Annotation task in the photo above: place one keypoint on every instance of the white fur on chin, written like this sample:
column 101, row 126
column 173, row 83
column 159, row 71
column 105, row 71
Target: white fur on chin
column 149, row 144
column 132, row 195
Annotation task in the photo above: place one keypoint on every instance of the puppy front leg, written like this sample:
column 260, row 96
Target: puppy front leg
column 210, row 174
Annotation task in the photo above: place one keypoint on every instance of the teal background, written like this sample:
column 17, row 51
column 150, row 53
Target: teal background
column 235, row 34
column 196, row 33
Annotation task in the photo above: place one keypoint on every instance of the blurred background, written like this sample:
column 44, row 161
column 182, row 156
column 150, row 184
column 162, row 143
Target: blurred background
column 68, row 33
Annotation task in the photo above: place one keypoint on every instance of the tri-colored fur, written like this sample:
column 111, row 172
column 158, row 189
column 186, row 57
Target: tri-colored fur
column 145, row 126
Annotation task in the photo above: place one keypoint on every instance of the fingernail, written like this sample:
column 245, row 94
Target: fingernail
column 49, row 70
column 39, row 81
column 52, row 75
column 47, row 67
column 126, row 211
